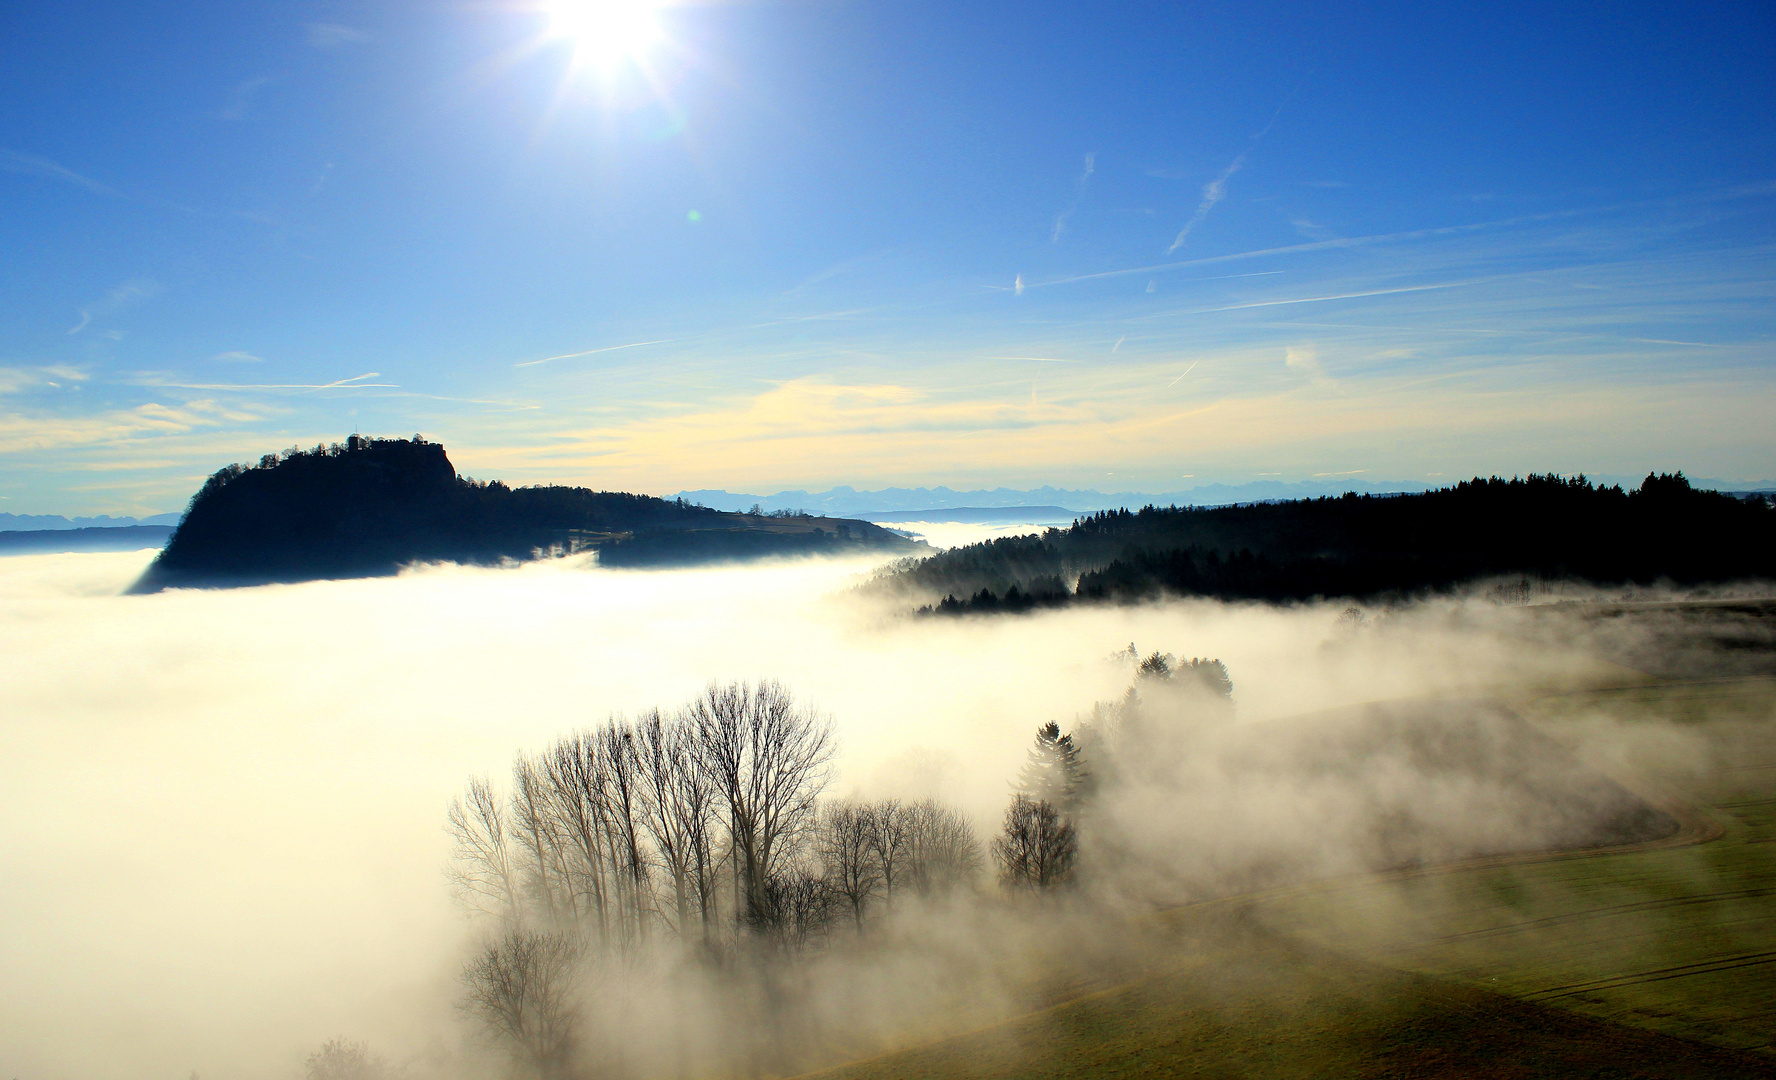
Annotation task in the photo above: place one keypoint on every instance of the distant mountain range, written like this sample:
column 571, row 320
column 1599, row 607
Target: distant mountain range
column 890, row 504
column 980, row 515
column 905, row 504
column 45, row 522
column 97, row 538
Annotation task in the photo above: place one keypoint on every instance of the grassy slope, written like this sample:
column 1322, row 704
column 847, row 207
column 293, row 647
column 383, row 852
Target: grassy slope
column 1627, row 964
column 1679, row 940
column 1257, row 1003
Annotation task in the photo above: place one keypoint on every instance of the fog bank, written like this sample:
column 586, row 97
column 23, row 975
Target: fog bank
column 223, row 822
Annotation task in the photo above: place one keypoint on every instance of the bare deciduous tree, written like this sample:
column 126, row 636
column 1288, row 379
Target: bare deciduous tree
column 1037, row 845
column 942, row 852
column 797, row 907
column 889, row 838
column 483, row 871
column 537, row 829
column 767, row 760
column 623, row 798
column 845, row 842
column 678, row 811
column 574, row 775
column 522, row 987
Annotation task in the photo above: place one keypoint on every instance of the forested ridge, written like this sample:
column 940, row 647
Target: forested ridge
column 368, row 506
column 1365, row 546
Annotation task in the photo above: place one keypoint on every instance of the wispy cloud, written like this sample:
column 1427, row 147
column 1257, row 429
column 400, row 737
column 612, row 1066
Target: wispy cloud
column 1315, row 245
column 1745, row 191
column 242, row 97
column 1183, row 373
column 1060, row 224
column 1571, row 335
column 593, row 352
column 1215, row 190
column 356, row 382
column 118, row 298
column 14, row 380
column 238, row 356
column 31, row 165
column 1331, row 296
column 334, row 35
column 20, row 433
column 132, row 290
column 1304, row 360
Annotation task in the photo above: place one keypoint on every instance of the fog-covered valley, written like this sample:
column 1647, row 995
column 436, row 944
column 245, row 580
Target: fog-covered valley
column 224, row 816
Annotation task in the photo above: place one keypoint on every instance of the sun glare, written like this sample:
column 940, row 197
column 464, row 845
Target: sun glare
column 605, row 31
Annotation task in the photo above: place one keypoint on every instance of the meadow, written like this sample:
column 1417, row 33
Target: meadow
column 1646, row 960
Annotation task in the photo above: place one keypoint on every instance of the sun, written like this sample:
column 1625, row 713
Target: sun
column 605, row 32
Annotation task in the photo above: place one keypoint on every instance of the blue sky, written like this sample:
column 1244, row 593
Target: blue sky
column 793, row 245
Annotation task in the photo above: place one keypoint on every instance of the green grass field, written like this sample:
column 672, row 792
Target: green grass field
column 1678, row 939
column 1655, row 961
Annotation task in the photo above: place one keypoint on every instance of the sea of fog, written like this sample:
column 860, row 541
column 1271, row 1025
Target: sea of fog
column 222, row 828
column 948, row 534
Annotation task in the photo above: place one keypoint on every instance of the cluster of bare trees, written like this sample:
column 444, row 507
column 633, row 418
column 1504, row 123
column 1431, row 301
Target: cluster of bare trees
column 1037, row 846
column 702, row 828
column 660, row 825
column 702, row 836
column 868, row 850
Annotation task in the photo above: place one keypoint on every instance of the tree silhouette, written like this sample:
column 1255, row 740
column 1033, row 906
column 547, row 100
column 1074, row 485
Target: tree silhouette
column 1053, row 770
column 522, row 987
column 1037, row 845
column 845, row 842
column 767, row 760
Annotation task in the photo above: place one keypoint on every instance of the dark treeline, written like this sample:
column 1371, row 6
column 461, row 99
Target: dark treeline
column 1368, row 546
column 368, row 506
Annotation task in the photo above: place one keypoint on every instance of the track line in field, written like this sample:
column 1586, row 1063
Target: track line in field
column 1703, row 967
column 1604, row 912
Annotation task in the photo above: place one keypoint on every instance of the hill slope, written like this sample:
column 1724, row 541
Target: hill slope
column 366, row 508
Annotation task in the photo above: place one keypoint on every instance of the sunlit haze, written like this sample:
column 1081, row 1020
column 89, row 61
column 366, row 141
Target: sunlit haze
column 262, row 773
column 606, row 32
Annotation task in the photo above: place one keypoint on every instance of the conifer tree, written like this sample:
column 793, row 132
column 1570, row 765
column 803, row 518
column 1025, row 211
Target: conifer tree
column 1053, row 772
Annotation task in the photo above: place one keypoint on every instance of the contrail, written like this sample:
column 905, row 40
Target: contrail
column 1212, row 194
column 1187, row 371
column 593, row 352
column 1215, row 189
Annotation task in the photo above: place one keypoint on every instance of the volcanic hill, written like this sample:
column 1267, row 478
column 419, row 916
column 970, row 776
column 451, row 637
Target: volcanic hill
column 369, row 506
